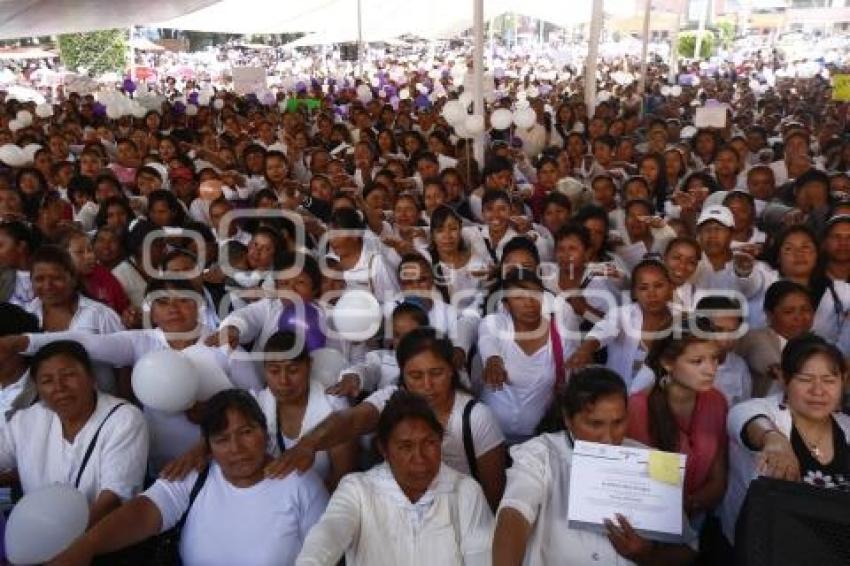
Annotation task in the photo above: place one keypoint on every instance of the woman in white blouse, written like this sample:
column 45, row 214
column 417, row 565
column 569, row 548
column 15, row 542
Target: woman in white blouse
column 76, row 435
column 361, row 267
column 473, row 443
column 523, row 352
column 59, row 304
column 628, row 330
column 458, row 269
column 229, row 513
column 682, row 258
column 531, row 524
column 796, row 436
column 794, row 257
column 411, row 510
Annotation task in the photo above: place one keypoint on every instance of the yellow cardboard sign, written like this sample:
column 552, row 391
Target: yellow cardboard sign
column 664, row 467
column 841, row 88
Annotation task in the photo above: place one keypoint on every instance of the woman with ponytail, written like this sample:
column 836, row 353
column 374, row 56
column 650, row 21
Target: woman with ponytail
column 684, row 413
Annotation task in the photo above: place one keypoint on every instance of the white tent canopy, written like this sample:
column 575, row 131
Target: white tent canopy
column 29, row 18
column 381, row 19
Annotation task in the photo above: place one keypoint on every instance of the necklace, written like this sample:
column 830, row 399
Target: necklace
column 813, row 445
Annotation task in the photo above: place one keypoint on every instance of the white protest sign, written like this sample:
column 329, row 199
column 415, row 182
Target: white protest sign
column 249, row 80
column 711, row 117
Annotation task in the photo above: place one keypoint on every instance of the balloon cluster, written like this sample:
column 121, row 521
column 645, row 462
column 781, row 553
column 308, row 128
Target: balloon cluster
column 673, row 91
column 456, row 113
column 119, row 105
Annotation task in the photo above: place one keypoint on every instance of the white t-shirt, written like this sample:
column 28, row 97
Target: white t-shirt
column 524, row 399
column 264, row 524
column 486, row 434
column 33, row 443
column 319, row 406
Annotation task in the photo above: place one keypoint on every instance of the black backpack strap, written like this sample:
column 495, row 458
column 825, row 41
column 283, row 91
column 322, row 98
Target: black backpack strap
column 92, row 444
column 196, row 489
column 468, row 443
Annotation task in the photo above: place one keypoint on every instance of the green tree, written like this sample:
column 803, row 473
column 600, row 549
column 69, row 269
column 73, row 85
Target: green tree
column 687, row 44
column 98, row 52
column 727, row 33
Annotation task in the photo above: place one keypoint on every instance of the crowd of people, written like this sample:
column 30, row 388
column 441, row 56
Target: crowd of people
column 614, row 274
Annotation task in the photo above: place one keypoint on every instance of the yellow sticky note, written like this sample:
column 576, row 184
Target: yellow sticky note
column 664, row 466
column 841, row 87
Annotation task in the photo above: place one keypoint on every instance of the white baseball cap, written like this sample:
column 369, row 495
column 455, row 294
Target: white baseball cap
column 718, row 213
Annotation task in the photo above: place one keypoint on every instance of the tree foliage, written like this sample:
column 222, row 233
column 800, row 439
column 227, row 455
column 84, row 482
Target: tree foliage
column 687, row 44
column 98, row 52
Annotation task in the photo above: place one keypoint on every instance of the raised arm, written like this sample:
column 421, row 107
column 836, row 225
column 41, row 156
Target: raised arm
column 113, row 349
column 338, row 428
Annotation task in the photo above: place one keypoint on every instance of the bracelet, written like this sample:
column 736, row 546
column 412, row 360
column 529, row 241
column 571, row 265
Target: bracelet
column 765, row 433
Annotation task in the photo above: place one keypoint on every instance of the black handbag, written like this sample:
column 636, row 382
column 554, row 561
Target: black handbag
column 166, row 546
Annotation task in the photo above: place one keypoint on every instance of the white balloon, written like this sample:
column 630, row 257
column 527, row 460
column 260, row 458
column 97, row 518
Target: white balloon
column 113, row 112
column 191, row 110
column 357, row 315
column 453, row 112
column 404, row 94
column 687, row 132
column 218, row 104
column 211, row 377
column 12, row 155
column 474, row 124
column 675, row 90
column 364, row 93
column 327, row 363
column 525, row 118
column 24, row 117
column 30, row 150
column 501, row 119
column 44, row 110
column 139, row 111
column 44, row 523
column 665, row 90
column 165, row 380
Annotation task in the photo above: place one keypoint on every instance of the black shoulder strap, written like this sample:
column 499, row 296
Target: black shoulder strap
column 280, row 444
column 196, row 489
column 92, row 444
column 468, row 443
column 490, row 249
